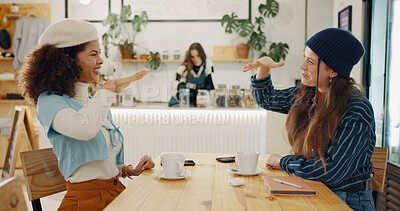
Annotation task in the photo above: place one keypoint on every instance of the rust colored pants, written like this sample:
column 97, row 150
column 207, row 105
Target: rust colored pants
column 91, row 195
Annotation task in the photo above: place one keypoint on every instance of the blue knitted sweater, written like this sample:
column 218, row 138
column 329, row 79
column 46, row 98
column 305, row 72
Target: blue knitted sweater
column 347, row 158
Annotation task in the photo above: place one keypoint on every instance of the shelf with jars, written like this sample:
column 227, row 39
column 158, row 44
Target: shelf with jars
column 179, row 60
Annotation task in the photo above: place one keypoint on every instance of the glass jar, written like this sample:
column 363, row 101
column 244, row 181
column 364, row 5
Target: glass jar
column 202, row 98
column 242, row 95
column 248, row 99
column 165, row 55
column 234, row 96
column 14, row 8
column 177, row 55
column 114, row 100
column 184, row 97
column 127, row 97
column 221, row 96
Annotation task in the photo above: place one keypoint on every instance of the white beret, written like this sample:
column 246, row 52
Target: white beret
column 68, row 32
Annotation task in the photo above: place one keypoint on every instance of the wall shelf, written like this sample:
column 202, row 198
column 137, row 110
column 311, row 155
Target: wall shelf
column 13, row 101
column 180, row 61
column 144, row 60
column 8, row 80
column 235, row 60
column 6, row 58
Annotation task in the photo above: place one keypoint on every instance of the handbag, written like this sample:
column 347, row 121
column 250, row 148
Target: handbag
column 5, row 40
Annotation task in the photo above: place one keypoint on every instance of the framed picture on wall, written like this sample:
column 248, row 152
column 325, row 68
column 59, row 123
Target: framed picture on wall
column 344, row 19
column 88, row 10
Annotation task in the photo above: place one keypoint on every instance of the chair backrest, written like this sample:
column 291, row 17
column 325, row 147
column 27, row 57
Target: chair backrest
column 379, row 161
column 12, row 195
column 42, row 176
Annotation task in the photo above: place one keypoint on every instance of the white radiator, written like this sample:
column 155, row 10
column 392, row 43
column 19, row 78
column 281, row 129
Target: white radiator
column 153, row 131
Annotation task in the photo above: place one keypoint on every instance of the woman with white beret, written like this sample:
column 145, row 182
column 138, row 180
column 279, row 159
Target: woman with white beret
column 88, row 145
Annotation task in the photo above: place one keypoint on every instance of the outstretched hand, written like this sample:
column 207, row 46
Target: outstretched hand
column 263, row 62
column 119, row 85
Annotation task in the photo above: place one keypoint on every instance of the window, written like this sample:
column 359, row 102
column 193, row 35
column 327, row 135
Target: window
column 392, row 111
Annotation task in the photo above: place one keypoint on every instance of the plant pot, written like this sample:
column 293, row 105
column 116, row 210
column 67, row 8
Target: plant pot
column 125, row 54
column 242, row 51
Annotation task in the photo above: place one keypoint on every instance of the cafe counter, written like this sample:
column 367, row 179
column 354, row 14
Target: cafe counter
column 152, row 128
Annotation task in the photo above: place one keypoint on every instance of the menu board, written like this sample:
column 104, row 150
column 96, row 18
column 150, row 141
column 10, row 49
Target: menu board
column 190, row 10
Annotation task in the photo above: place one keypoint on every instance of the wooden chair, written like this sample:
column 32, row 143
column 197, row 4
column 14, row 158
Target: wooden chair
column 12, row 195
column 379, row 161
column 42, row 176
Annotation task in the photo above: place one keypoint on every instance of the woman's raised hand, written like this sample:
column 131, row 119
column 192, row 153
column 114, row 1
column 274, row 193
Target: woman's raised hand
column 118, row 85
column 263, row 62
column 264, row 65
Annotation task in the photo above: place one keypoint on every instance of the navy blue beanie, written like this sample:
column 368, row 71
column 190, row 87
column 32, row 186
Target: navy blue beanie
column 338, row 49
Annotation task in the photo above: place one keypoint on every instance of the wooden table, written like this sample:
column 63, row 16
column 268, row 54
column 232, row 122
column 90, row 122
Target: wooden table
column 208, row 189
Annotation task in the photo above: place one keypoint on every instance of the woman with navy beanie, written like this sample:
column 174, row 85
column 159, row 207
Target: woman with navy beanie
column 330, row 124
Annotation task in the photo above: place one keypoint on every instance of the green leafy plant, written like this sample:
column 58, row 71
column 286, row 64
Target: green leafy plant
column 153, row 60
column 122, row 29
column 253, row 32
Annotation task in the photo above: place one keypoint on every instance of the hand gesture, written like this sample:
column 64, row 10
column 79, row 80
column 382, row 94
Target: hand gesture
column 145, row 163
column 119, row 85
column 273, row 161
column 263, row 62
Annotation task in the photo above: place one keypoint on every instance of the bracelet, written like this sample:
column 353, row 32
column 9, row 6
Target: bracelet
column 125, row 171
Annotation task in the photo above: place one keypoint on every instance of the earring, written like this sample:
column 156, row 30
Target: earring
column 330, row 80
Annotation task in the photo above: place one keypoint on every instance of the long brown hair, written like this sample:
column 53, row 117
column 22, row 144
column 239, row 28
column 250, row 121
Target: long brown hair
column 50, row 69
column 188, row 62
column 310, row 127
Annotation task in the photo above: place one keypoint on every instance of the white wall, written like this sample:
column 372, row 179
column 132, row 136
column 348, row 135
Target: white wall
column 319, row 16
column 286, row 27
column 357, row 27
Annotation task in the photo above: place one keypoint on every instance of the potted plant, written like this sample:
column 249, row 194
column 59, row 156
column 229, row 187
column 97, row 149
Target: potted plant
column 122, row 30
column 254, row 34
column 153, row 60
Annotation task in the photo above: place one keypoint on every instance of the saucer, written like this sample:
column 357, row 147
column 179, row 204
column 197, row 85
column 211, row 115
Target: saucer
column 237, row 171
column 161, row 174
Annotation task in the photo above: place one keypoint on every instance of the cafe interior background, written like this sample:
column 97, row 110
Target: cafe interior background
column 150, row 126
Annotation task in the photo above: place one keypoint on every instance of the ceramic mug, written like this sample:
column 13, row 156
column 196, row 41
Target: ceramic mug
column 247, row 161
column 173, row 164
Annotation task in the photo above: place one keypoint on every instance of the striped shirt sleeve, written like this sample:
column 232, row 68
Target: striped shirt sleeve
column 269, row 98
column 347, row 157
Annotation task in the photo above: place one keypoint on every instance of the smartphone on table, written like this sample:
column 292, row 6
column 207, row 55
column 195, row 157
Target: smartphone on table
column 189, row 163
column 226, row 159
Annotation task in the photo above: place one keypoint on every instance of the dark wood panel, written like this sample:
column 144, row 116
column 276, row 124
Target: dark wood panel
column 390, row 198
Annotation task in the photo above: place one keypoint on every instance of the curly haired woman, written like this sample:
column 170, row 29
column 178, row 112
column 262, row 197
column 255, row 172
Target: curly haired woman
column 87, row 143
column 330, row 124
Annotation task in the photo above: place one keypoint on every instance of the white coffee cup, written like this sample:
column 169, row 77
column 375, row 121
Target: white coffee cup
column 173, row 164
column 247, row 161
